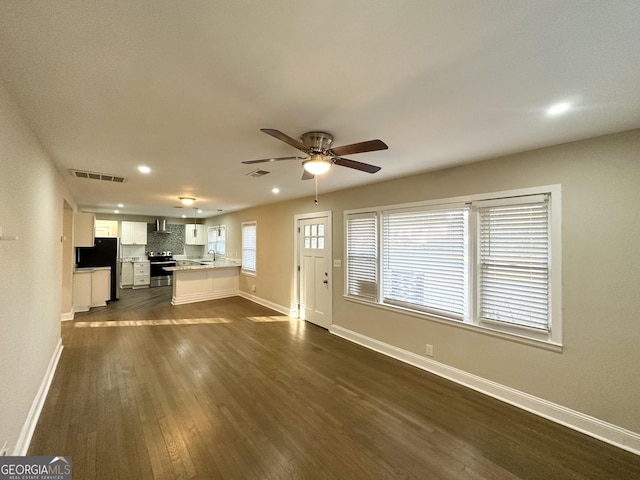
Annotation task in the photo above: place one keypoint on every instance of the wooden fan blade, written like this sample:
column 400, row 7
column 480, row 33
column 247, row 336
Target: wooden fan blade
column 370, row 146
column 307, row 176
column 285, row 138
column 364, row 167
column 263, row 160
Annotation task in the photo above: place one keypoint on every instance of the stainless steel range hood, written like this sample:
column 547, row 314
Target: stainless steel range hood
column 161, row 226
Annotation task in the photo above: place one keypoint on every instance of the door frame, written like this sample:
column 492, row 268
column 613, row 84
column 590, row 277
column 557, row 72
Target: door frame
column 295, row 304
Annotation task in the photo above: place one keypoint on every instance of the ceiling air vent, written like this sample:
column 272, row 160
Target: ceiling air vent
column 97, row 176
column 257, row 173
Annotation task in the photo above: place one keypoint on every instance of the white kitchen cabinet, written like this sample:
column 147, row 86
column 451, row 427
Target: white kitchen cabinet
column 141, row 274
column 100, row 287
column 81, row 291
column 106, row 228
column 200, row 237
column 91, row 288
column 126, row 274
column 83, row 229
column 133, row 233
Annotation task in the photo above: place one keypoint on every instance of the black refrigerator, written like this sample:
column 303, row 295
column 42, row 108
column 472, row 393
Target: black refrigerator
column 104, row 254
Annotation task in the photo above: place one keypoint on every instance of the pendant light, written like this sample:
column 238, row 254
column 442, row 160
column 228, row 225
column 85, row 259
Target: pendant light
column 195, row 222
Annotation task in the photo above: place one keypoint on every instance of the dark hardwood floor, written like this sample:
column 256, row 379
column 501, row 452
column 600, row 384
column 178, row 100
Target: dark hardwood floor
column 228, row 389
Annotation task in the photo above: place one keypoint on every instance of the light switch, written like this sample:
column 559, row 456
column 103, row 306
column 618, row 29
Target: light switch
column 337, row 263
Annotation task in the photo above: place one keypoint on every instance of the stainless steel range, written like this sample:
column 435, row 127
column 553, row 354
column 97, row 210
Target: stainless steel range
column 159, row 276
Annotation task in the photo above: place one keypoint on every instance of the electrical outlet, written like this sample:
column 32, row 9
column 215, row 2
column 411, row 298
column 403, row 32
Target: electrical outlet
column 429, row 350
column 4, row 451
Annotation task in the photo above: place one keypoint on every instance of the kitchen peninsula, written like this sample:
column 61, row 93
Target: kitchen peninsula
column 204, row 280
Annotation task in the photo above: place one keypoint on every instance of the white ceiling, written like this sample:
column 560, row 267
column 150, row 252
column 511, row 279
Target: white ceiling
column 185, row 86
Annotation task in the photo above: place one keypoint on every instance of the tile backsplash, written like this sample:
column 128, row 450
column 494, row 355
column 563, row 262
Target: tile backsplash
column 162, row 242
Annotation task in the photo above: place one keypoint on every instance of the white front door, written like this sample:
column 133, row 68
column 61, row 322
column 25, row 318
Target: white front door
column 314, row 262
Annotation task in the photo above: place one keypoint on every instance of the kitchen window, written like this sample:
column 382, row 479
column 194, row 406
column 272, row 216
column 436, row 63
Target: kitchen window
column 217, row 239
column 249, row 251
column 489, row 261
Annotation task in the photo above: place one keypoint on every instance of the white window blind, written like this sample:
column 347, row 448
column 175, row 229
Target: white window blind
column 249, row 237
column 425, row 260
column 514, row 262
column 362, row 256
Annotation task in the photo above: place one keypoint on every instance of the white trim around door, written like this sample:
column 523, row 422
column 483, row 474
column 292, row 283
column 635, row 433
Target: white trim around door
column 297, row 219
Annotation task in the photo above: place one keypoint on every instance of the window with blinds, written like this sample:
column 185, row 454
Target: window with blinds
column 514, row 261
column 483, row 260
column 362, row 256
column 425, row 260
column 249, row 239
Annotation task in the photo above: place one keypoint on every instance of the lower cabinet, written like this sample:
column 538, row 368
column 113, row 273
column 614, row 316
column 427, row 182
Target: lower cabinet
column 141, row 274
column 81, row 291
column 91, row 288
column 100, row 287
column 126, row 274
column 135, row 275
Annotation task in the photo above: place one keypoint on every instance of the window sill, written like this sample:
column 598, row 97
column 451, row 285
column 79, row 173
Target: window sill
column 485, row 330
column 248, row 274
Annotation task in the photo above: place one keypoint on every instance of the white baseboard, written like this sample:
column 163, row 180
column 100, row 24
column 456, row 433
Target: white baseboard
column 581, row 422
column 22, row 445
column 67, row 316
column 265, row 303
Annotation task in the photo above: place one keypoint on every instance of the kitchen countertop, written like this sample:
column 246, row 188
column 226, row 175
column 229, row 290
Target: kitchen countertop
column 206, row 264
column 89, row 269
column 135, row 259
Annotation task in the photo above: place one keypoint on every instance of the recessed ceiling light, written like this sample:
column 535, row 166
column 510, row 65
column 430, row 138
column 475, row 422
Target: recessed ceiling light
column 275, row 190
column 116, row 211
column 144, row 169
column 184, row 216
column 558, row 109
column 120, row 205
column 199, row 211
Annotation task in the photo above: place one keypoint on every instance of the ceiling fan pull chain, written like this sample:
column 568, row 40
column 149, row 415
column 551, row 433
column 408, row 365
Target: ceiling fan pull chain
column 316, row 200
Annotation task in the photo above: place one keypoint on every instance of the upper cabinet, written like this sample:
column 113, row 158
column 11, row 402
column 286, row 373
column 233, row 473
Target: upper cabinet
column 106, row 228
column 133, row 233
column 195, row 234
column 83, row 230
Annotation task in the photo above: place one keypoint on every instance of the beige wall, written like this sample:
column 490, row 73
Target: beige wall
column 597, row 372
column 32, row 198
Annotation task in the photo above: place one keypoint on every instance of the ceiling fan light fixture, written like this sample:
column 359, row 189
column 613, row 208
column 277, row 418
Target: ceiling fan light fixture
column 317, row 164
column 187, row 200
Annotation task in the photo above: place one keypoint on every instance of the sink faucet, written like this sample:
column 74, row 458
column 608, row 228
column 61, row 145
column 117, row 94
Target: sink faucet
column 213, row 252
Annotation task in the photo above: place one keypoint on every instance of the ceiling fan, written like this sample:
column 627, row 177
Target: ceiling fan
column 319, row 154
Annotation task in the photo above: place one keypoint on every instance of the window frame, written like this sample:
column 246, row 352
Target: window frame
column 215, row 243
column 254, row 248
column 428, row 211
column 551, row 339
column 373, row 296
